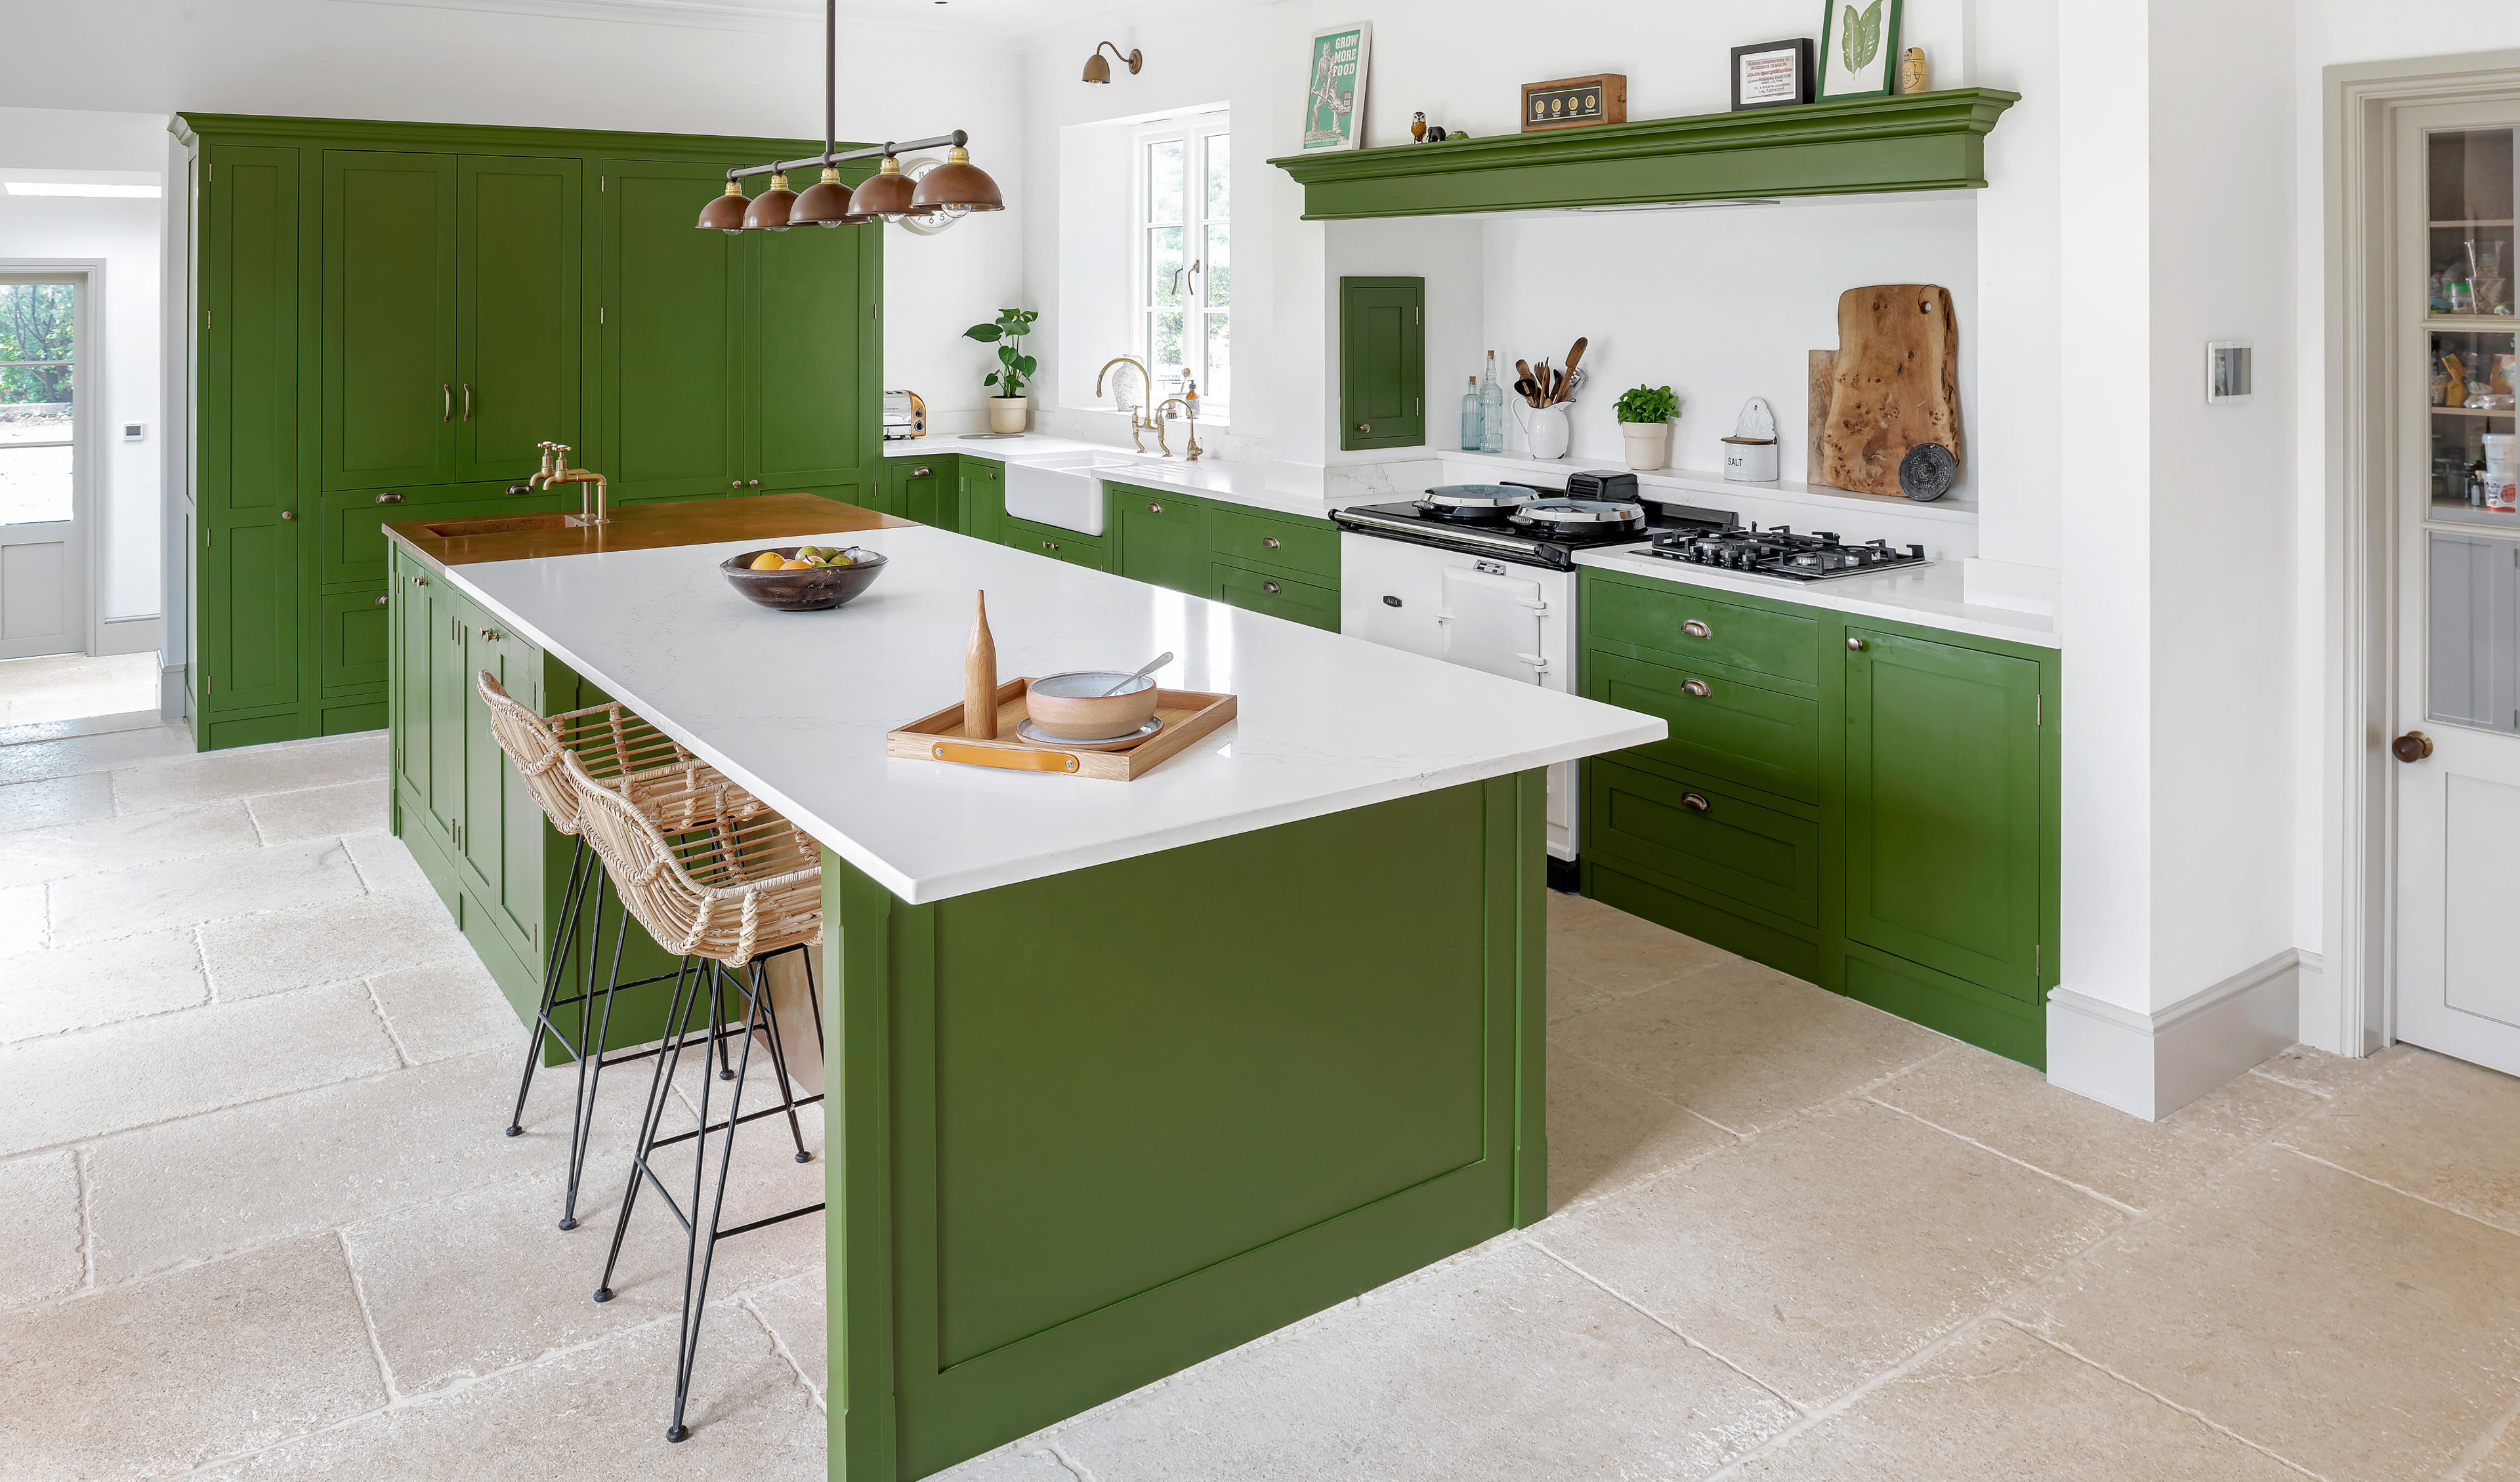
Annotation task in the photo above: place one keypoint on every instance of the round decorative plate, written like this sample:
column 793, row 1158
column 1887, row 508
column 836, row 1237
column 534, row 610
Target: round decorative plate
column 1026, row 731
column 1927, row 472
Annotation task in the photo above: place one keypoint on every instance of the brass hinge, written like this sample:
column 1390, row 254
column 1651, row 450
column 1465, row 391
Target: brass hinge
column 1419, row 315
column 599, row 313
column 2039, row 709
column 878, row 312
column 206, row 319
column 1421, row 404
column 601, row 182
column 209, row 537
column 210, row 171
column 2037, row 952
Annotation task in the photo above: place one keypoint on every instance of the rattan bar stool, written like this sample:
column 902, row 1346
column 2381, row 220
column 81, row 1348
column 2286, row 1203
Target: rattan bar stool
column 612, row 744
column 715, row 875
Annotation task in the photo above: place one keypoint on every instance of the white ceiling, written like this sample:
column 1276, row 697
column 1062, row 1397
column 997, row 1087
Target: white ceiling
column 1007, row 22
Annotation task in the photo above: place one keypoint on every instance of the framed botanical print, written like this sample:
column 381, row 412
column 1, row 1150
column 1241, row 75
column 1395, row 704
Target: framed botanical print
column 1858, row 49
column 1335, row 89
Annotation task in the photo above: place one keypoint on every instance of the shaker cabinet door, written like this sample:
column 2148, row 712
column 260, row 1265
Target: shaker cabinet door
column 517, row 328
column 669, row 299
column 812, row 410
column 389, row 361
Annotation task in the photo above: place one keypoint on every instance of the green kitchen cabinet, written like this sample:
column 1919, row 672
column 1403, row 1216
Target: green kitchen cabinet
column 1056, row 544
column 812, row 352
column 388, row 315
column 1383, row 362
column 1162, row 537
column 1276, row 595
column 983, row 484
column 517, row 343
column 1867, row 806
column 357, row 646
column 926, row 490
column 670, row 387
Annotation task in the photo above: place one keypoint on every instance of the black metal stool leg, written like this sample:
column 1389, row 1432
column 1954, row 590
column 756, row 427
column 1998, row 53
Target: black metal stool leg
column 778, row 1056
column 660, row 1088
column 696, row 1299
column 555, row 973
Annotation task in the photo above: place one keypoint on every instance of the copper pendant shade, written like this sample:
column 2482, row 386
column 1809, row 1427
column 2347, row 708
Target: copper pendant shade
column 886, row 194
column 823, row 203
column 726, row 212
column 769, row 209
column 956, row 186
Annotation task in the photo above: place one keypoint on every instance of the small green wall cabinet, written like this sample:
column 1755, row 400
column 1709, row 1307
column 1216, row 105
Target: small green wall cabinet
column 1870, row 806
column 1383, row 362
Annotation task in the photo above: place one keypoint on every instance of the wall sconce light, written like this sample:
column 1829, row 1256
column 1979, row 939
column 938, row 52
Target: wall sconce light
column 1099, row 70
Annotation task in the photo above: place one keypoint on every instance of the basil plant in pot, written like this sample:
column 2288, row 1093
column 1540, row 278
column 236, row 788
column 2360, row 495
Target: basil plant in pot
column 1645, row 416
column 1015, row 367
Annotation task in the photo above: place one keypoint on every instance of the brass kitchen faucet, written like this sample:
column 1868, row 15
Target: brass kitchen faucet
column 556, row 470
column 1168, row 403
column 1138, row 421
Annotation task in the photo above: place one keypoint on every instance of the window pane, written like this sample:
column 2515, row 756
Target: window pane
column 1216, row 277
column 1218, row 387
column 1220, row 166
column 1164, row 264
column 1165, row 346
column 34, row 484
column 1164, row 181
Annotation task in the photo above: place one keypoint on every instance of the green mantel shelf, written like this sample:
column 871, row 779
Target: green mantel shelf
column 1922, row 142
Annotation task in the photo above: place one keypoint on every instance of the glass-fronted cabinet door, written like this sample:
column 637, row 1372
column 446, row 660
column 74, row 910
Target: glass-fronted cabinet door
column 2469, row 189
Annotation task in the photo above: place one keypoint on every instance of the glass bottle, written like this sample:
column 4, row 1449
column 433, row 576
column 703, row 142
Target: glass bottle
column 1471, row 420
column 1491, row 411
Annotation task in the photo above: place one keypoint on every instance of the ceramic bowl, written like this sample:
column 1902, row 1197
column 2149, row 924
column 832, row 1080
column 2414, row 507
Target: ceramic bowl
column 1073, row 706
column 812, row 590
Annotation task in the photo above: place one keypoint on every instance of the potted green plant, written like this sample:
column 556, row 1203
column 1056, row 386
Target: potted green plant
column 1015, row 367
column 1645, row 416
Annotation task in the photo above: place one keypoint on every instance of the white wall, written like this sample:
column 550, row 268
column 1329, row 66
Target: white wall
column 124, row 233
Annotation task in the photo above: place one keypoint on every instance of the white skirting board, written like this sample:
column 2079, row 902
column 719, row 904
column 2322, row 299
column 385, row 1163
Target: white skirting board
column 130, row 635
column 2153, row 1064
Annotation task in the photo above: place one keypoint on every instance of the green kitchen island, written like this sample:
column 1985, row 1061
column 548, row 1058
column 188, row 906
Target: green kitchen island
column 1120, row 1075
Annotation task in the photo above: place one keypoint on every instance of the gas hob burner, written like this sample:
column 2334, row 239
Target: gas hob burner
column 1782, row 554
column 1592, row 517
column 1477, row 503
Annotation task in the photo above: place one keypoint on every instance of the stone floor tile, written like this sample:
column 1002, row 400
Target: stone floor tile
column 101, row 983
column 13, row 734
column 248, row 771
column 120, row 1076
column 360, row 807
column 202, row 1364
column 1998, row 1403
column 106, row 845
column 1506, row 1367
column 447, row 1008
column 1620, row 952
column 61, row 686
column 462, row 1287
column 39, row 1229
column 2327, row 1074
column 188, row 1189
column 1569, row 995
column 1745, row 1045
column 2502, row 1463
column 105, row 751
column 23, row 914
column 1009, row 1466
column 54, row 800
column 1823, row 1253
column 2011, row 1109
column 1606, row 1132
column 2439, row 1128
column 183, row 892
column 384, row 862
column 248, row 956
column 797, row 1311
column 2342, row 1326
column 596, row 1413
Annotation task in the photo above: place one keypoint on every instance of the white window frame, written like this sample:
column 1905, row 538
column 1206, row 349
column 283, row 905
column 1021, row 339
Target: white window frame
column 1192, row 131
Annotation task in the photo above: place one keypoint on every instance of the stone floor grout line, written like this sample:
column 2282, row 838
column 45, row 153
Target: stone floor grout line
column 2482, row 1447
column 254, row 821
column 2189, row 1411
column 1075, row 1468
column 142, row 1017
column 1924, row 1121
column 779, row 1344
column 1640, row 1309
column 367, row 1316
column 87, row 1223
column 2393, row 1188
column 13, row 1046
column 386, row 1022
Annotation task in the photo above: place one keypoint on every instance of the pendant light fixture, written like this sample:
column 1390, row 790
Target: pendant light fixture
column 943, row 193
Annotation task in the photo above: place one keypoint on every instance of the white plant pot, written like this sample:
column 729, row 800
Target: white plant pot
column 1006, row 413
column 1648, row 444
column 1549, row 432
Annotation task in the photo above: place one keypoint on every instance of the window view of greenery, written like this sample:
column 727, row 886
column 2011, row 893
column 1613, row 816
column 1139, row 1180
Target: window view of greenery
column 37, row 362
column 1184, row 297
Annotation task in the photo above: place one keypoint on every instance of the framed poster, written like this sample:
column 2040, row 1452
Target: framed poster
column 1334, row 94
column 1858, row 49
column 1772, row 75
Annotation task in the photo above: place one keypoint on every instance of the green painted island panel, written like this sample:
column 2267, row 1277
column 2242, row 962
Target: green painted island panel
column 1088, row 1134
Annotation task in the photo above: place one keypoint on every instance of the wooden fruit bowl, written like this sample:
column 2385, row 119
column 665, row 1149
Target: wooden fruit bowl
column 815, row 588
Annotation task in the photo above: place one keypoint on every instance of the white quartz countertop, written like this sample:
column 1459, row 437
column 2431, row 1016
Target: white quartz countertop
column 795, row 705
column 1929, row 596
column 1240, row 483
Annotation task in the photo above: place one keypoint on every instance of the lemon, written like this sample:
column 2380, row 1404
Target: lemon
column 796, row 565
column 767, row 560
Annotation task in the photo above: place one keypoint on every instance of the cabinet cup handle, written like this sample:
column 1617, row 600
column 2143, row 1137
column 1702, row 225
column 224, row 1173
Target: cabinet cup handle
column 921, row 472
column 389, row 497
column 384, row 599
column 1853, row 645
column 1272, row 542
column 1695, row 629
column 1365, row 426
column 1695, row 803
column 1269, row 587
column 446, row 398
column 1697, row 687
column 1154, row 508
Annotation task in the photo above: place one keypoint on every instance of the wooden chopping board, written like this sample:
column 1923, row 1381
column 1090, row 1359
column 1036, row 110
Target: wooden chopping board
column 1895, row 383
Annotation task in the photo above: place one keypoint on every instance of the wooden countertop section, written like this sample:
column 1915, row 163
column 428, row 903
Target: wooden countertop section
column 766, row 518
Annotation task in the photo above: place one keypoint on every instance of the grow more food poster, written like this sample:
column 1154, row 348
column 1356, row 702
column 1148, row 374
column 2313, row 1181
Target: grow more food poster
column 1335, row 102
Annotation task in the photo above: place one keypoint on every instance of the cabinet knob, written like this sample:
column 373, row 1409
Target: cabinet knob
column 1050, row 545
column 1697, row 687
column 753, row 483
column 735, row 484
column 1695, row 803
column 2413, row 747
column 1154, row 508
column 1269, row 587
column 389, row 497
column 1853, row 645
column 288, row 513
column 921, row 472
column 489, row 635
column 1695, row 629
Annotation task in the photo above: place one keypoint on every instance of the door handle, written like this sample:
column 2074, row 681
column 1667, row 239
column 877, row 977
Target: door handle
column 1697, row 687
column 389, row 497
column 446, row 401
column 2413, row 747
column 1695, row 629
column 467, row 401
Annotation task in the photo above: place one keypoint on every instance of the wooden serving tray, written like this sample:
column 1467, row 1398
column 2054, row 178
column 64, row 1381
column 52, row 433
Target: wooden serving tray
column 1187, row 714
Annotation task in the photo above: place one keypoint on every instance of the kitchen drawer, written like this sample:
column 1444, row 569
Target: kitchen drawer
column 1059, row 545
column 1278, row 595
column 355, row 520
column 1295, row 545
column 1681, row 622
column 357, row 637
column 1701, row 835
column 1732, row 731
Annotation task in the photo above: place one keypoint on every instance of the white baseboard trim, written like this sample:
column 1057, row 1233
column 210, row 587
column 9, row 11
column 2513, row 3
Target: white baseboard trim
column 2152, row 1064
column 174, row 700
column 130, row 635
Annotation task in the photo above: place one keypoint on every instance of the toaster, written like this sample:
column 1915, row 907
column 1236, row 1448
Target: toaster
column 905, row 416
column 1610, row 485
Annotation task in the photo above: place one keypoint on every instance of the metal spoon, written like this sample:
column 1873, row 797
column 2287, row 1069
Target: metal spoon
column 1145, row 669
